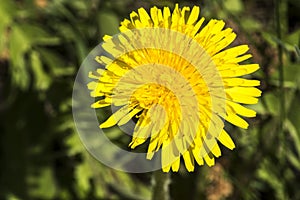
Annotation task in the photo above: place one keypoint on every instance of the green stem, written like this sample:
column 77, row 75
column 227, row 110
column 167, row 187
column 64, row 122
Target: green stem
column 278, row 16
column 161, row 183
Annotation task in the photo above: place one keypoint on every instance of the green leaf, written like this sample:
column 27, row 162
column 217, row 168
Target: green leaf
column 18, row 46
column 103, row 176
column 84, row 174
column 234, row 6
column 294, row 159
column 43, row 185
column 291, row 75
column 258, row 108
column 294, row 135
column 297, row 50
column 292, row 123
column 273, row 40
column 83, row 171
column 7, row 12
column 57, row 65
column 37, row 35
column 293, row 38
column 108, row 23
column 268, row 173
column 270, row 38
column 42, row 79
column 12, row 197
column 271, row 102
column 250, row 24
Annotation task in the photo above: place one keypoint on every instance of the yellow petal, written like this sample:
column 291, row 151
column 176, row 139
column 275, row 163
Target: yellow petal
column 144, row 17
column 96, row 93
column 143, row 122
column 227, row 40
column 176, row 164
column 92, row 85
column 209, row 159
column 194, row 15
column 102, row 103
column 197, row 26
column 114, row 118
column 241, row 110
column 242, row 98
column 230, row 82
column 103, row 60
column 180, row 143
column 240, row 70
column 116, row 69
column 249, row 91
column 107, row 37
column 218, row 26
column 216, row 150
column 232, row 52
column 188, row 161
column 184, row 10
column 236, row 120
column 226, row 140
column 166, row 168
column 141, row 133
column 167, row 17
column 94, row 75
column 127, row 117
column 153, row 13
column 241, row 58
column 134, row 17
column 167, row 157
column 126, row 25
column 151, row 148
column 198, row 158
column 111, row 48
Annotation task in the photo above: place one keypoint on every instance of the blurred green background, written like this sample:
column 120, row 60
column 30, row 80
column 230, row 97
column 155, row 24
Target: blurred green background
column 42, row 45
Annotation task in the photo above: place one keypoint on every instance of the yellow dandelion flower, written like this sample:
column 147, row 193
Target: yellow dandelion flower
column 179, row 81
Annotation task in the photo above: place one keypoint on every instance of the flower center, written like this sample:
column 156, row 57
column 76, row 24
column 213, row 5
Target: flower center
column 152, row 94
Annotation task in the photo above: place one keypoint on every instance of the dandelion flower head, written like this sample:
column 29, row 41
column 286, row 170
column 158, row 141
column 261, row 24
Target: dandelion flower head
column 179, row 79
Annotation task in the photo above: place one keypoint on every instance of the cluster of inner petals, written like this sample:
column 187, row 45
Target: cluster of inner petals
column 152, row 94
